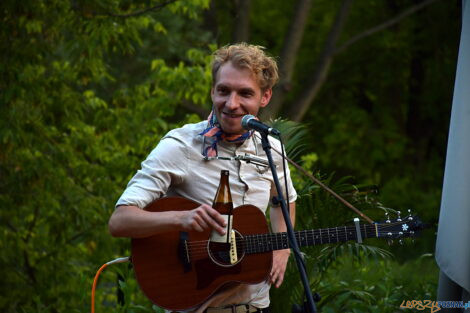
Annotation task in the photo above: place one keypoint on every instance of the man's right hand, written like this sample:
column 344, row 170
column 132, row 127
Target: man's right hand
column 130, row 221
column 202, row 218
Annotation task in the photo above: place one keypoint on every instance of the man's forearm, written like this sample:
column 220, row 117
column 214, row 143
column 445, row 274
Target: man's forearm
column 277, row 219
column 131, row 221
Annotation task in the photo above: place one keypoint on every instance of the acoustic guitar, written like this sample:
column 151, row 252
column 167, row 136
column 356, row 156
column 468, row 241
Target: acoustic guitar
column 179, row 270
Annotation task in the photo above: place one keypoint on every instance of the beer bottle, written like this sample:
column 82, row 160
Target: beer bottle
column 223, row 204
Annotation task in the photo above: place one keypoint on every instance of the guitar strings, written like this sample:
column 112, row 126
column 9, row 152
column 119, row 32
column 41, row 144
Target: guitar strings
column 323, row 232
column 244, row 246
column 251, row 243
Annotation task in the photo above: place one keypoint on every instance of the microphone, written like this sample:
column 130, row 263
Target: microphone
column 249, row 122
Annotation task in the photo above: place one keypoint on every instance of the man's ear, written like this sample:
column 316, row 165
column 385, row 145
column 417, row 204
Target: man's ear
column 266, row 97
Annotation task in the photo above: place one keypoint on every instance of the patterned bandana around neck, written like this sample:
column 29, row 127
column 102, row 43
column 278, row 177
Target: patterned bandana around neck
column 213, row 130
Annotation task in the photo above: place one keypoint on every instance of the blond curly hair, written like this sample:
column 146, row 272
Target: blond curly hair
column 243, row 55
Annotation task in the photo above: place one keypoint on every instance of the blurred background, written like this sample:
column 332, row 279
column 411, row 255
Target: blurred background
column 87, row 89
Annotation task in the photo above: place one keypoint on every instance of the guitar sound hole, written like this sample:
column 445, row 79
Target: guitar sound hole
column 220, row 252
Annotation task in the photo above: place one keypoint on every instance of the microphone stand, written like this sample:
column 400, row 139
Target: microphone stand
column 290, row 230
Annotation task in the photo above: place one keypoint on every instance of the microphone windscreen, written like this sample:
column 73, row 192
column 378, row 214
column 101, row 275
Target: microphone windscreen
column 245, row 120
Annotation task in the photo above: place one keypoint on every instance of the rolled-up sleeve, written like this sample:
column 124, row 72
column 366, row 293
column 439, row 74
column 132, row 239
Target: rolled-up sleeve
column 164, row 166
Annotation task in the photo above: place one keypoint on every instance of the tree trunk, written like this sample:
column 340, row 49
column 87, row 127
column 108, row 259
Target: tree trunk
column 241, row 30
column 210, row 20
column 298, row 110
column 288, row 57
column 384, row 25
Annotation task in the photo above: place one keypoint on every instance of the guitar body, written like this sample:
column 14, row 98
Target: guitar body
column 170, row 282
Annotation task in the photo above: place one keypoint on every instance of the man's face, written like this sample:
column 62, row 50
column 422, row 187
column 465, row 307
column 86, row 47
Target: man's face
column 236, row 93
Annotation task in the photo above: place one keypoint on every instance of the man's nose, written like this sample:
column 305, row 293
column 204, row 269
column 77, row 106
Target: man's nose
column 232, row 101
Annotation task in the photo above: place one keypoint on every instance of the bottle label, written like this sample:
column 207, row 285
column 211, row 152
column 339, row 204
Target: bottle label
column 216, row 237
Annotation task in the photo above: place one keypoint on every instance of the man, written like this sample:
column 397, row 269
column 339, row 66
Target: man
column 185, row 164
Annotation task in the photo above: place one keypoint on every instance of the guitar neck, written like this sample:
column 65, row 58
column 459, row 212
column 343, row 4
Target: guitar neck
column 276, row 241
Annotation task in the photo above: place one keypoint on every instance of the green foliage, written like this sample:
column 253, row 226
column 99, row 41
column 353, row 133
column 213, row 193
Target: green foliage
column 72, row 134
column 376, row 286
column 87, row 88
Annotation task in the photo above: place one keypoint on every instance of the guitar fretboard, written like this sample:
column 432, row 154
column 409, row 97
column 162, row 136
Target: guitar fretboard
column 277, row 241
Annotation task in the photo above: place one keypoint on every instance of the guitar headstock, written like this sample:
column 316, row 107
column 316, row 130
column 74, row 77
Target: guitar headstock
column 400, row 227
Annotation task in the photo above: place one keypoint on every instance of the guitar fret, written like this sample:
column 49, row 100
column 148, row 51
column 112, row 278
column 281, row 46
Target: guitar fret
column 263, row 243
column 268, row 242
column 259, row 243
column 247, row 244
column 255, row 243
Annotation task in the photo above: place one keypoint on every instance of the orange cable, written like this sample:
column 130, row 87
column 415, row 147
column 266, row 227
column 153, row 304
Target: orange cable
column 95, row 281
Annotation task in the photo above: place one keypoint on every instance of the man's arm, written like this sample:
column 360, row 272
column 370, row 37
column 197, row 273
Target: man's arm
column 131, row 221
column 280, row 257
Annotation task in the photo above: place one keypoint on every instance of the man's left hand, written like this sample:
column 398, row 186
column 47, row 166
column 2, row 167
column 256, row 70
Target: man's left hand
column 280, row 258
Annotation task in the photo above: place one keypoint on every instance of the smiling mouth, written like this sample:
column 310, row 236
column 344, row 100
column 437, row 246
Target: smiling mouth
column 231, row 115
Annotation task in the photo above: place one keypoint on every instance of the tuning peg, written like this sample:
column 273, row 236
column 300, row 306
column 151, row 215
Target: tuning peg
column 410, row 218
column 399, row 218
column 390, row 241
column 388, row 218
column 400, row 242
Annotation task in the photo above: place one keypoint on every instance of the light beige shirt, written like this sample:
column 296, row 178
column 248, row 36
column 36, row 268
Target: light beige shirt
column 176, row 167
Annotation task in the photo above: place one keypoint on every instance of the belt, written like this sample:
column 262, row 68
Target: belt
column 240, row 308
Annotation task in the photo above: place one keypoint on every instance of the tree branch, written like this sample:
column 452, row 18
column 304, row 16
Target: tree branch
column 191, row 107
column 298, row 110
column 28, row 268
column 136, row 13
column 384, row 25
column 288, row 57
column 68, row 241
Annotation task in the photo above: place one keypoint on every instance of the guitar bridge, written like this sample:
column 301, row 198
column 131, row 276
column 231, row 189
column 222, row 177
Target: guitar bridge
column 233, row 248
column 183, row 251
